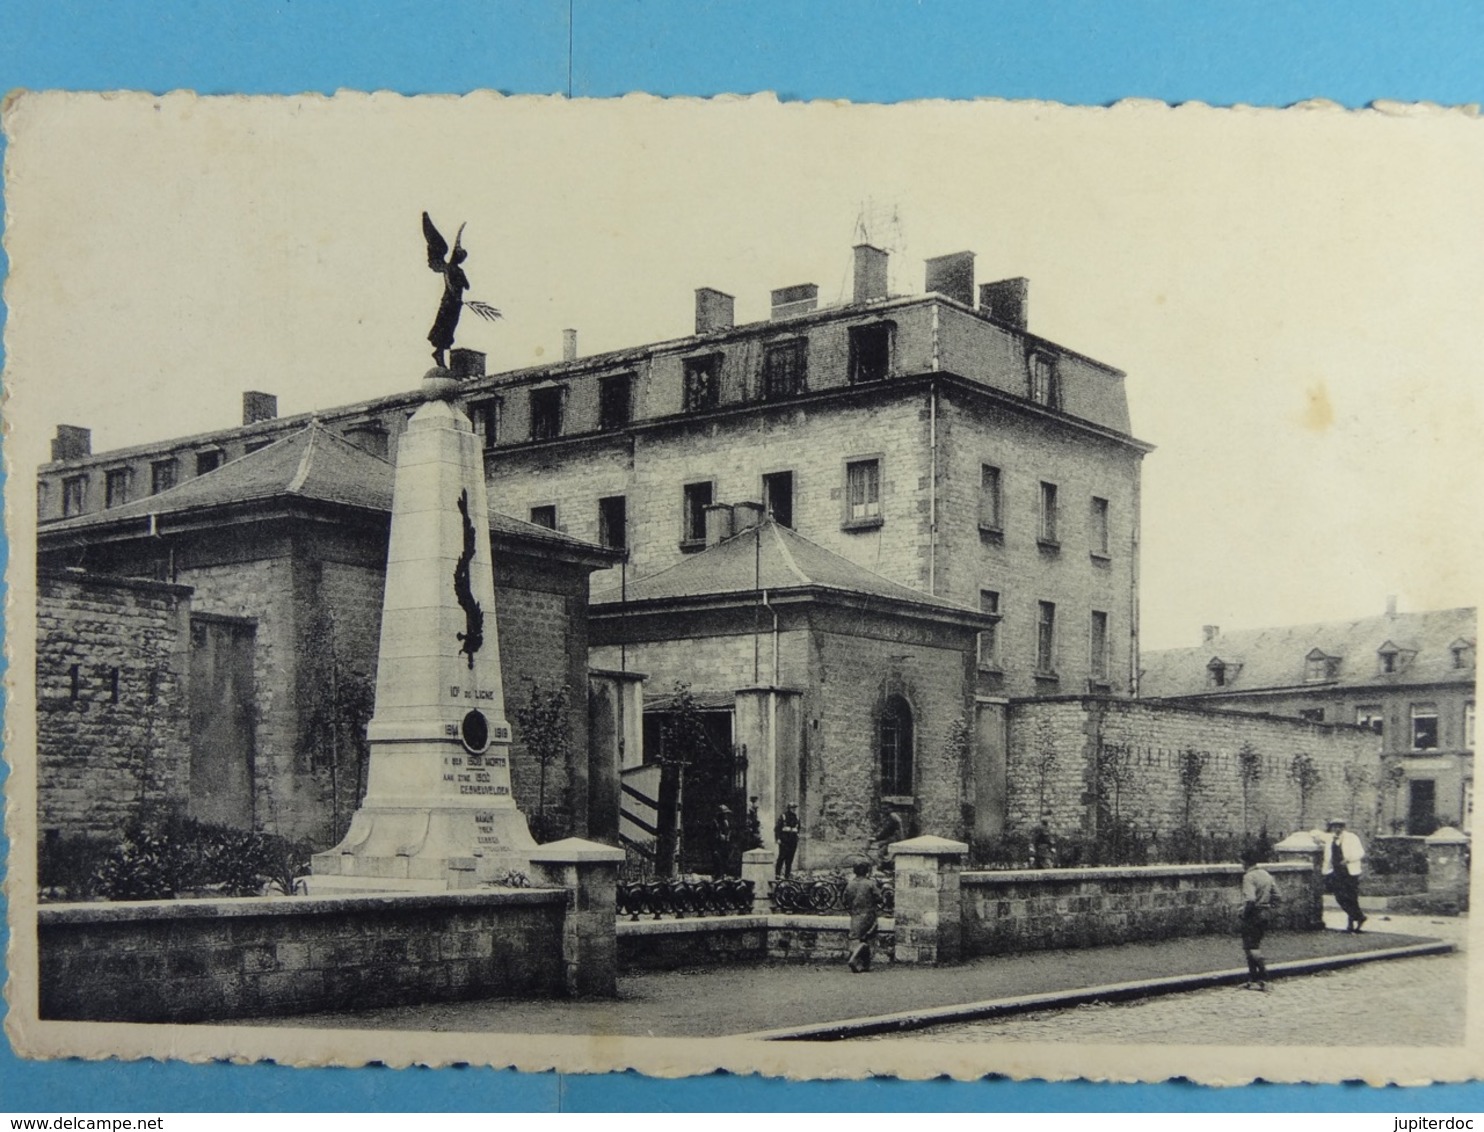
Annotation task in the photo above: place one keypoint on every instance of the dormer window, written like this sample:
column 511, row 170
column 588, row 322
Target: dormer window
column 702, row 383
column 1462, row 651
column 1319, row 667
column 1392, row 658
column 1216, row 673
column 1044, row 380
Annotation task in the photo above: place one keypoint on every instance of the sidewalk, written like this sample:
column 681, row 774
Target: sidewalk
column 720, row 1001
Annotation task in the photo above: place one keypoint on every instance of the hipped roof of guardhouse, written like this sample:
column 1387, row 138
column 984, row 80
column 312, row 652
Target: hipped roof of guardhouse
column 773, row 559
column 1277, row 658
column 313, row 467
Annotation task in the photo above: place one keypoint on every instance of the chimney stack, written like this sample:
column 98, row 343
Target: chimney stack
column 870, row 273
column 952, row 276
column 1006, row 301
column 745, row 516
column 464, row 364
column 714, row 310
column 1209, row 633
column 718, row 522
column 72, row 442
column 798, row 299
column 258, row 407
column 569, row 345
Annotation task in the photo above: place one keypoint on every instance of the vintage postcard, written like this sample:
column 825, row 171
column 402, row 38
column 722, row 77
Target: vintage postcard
column 808, row 589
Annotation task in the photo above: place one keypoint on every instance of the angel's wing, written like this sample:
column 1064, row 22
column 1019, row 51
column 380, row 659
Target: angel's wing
column 437, row 245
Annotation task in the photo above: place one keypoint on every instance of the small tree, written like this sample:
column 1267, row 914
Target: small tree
column 1357, row 780
column 1249, row 770
column 336, row 702
column 545, row 723
column 1396, row 778
column 1304, row 773
column 1192, row 772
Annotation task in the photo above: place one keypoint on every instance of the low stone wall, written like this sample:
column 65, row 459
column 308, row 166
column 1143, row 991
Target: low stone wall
column 205, row 960
column 1036, row 910
column 710, row 941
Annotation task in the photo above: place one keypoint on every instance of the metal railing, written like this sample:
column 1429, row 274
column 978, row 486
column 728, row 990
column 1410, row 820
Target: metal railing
column 823, row 894
column 685, row 896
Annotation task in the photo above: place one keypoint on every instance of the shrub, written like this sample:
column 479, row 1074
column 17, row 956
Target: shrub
column 164, row 857
column 67, row 864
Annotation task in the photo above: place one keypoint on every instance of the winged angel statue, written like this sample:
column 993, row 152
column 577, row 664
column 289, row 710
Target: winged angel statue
column 455, row 283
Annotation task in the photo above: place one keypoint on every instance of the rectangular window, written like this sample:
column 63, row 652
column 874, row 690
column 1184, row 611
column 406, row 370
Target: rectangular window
column 485, row 417
column 208, row 461
column 1045, row 382
column 778, row 497
column 544, row 516
column 991, row 501
column 74, row 495
column 1098, row 640
column 697, row 497
column 1048, row 514
column 1370, row 718
column 546, row 412
column 863, row 492
column 989, row 639
column 1046, row 637
column 41, row 499
column 1468, row 726
column 784, row 368
column 702, row 383
column 870, row 352
column 615, row 406
column 1424, row 727
column 1100, row 541
column 1318, row 667
column 1312, row 714
column 162, row 476
column 116, row 487
column 613, row 522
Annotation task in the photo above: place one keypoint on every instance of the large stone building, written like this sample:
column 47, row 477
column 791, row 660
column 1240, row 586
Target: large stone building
column 949, row 507
column 1408, row 677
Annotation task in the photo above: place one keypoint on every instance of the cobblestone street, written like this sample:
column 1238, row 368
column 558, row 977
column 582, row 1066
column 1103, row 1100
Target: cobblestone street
column 1400, row 1002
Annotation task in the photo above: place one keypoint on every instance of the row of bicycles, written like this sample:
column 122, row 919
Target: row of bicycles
column 823, row 893
column 685, row 896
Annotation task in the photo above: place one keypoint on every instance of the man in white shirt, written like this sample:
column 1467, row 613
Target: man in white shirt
column 1343, row 857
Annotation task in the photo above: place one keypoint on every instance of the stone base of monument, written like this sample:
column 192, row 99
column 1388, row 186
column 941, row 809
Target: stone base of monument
column 417, row 849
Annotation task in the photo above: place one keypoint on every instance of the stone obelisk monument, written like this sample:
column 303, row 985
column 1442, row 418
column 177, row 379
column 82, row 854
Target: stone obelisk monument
column 438, row 811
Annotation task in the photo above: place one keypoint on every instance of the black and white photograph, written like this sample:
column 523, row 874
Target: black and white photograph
column 811, row 589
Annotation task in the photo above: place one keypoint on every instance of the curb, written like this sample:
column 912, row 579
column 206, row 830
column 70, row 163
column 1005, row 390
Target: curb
column 1050, row 1000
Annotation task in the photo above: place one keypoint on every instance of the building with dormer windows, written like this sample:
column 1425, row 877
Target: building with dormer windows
column 1409, row 677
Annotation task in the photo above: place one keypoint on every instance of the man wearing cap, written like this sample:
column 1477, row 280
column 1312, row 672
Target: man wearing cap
column 721, row 842
column 1343, row 854
column 786, row 833
column 1259, row 896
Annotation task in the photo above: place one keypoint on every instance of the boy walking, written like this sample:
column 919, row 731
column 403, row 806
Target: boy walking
column 1259, row 895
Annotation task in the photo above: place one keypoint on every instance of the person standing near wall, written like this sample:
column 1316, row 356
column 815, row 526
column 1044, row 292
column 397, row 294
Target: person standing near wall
column 863, row 902
column 786, row 833
column 1343, row 857
column 1259, row 895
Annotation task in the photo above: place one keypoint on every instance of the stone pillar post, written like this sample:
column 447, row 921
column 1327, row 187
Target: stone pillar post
column 1447, row 864
column 757, row 866
column 589, row 873
column 1303, row 847
column 928, row 916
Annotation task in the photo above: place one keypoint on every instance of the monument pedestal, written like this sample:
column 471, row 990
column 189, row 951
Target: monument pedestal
column 438, row 812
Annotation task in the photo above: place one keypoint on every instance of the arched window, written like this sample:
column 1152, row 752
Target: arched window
column 895, row 748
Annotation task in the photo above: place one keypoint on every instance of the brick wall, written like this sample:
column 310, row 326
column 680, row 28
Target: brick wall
column 1053, row 755
column 99, row 755
column 1060, row 908
column 207, row 960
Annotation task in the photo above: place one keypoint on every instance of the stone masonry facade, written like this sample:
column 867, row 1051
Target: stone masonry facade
column 1157, row 759
column 112, row 727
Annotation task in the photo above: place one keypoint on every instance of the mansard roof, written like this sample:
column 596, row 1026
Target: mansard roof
column 1276, row 658
column 313, row 465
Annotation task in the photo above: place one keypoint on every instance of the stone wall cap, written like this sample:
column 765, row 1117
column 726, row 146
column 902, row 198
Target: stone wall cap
column 929, row 846
column 1301, row 840
column 1447, row 836
column 575, row 851
column 1119, row 872
column 235, row 907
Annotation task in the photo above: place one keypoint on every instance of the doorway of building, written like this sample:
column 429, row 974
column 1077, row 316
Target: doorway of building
column 1422, row 808
column 222, row 710
column 700, row 772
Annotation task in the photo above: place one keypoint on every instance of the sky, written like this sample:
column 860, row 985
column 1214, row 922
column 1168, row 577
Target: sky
column 1294, row 295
